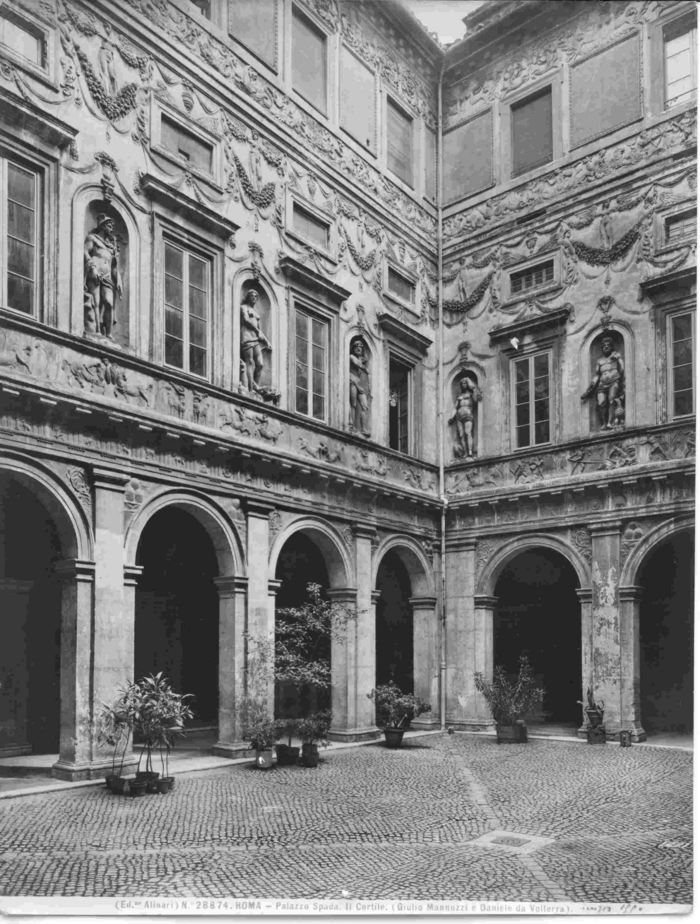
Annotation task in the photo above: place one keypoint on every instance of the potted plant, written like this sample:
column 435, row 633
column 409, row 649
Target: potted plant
column 114, row 730
column 159, row 716
column 313, row 731
column 510, row 700
column 593, row 711
column 394, row 711
column 261, row 732
column 288, row 755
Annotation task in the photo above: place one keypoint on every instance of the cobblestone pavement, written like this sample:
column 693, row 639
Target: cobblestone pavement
column 379, row 824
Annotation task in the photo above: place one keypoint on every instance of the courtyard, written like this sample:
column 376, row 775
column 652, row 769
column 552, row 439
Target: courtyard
column 446, row 817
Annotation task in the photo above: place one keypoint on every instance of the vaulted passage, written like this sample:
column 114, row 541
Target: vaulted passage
column 30, row 623
column 539, row 615
column 394, row 624
column 177, row 609
column 666, row 636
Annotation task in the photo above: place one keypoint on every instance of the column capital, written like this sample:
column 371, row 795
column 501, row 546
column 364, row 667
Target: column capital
column 231, row 584
column 609, row 528
column 423, row 603
column 631, row 593
column 485, row 602
column 75, row 569
column 273, row 586
column 585, row 594
column 342, row 594
column 374, row 596
column 257, row 508
column 460, row 544
column 132, row 573
column 362, row 531
column 110, row 479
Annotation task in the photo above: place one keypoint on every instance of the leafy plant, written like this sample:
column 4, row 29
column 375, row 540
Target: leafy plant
column 313, row 729
column 510, row 700
column 393, row 707
column 116, row 724
column 591, row 706
column 259, row 730
column 159, row 717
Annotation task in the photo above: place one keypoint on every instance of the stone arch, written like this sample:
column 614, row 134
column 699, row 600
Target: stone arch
column 649, row 543
column 341, row 572
column 414, row 560
column 72, row 524
column 499, row 559
column 223, row 535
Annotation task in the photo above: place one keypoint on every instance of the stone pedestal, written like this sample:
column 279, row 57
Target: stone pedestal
column 426, row 659
column 232, row 619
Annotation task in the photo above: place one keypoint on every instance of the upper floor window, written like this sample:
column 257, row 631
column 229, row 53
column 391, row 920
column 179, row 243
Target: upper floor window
column 532, row 278
column 357, row 99
column 309, row 61
column 531, row 399
column 680, row 61
column 399, row 405
column 254, row 23
column 680, row 226
column 401, row 287
column 310, row 227
column 311, row 369
column 22, row 38
column 204, row 7
column 186, row 145
column 19, row 231
column 187, row 309
column 681, row 336
column 399, row 142
column 531, row 132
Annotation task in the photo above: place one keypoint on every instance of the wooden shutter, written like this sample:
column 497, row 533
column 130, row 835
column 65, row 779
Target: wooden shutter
column 254, row 22
column 399, row 143
column 468, row 157
column 309, row 61
column 532, row 132
column 357, row 99
column 605, row 91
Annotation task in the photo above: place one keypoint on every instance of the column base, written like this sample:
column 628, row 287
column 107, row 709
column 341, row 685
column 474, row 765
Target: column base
column 232, row 749
column 72, row 772
column 460, row 725
column 354, row 734
column 426, row 722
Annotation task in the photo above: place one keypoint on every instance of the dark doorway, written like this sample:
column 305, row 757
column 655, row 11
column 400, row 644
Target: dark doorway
column 539, row 614
column 666, row 636
column 30, row 639
column 301, row 563
column 394, row 625
column 177, row 609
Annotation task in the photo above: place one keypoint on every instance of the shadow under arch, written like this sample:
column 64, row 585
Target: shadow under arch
column 337, row 559
column 647, row 545
column 500, row 558
column 414, row 560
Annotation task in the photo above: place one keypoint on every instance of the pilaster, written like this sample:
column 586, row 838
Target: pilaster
column 631, row 712
column 606, row 636
column 353, row 720
column 232, row 590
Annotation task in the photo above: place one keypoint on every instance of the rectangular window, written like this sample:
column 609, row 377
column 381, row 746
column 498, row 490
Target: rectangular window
column 400, row 286
column 681, row 226
column 357, row 99
column 310, row 228
column 681, row 329
column 532, row 278
column 399, row 405
column 399, row 143
column 311, row 365
column 22, row 38
column 309, row 61
column 532, row 400
column 430, row 165
column 187, row 310
column 532, row 139
column 680, row 61
column 186, row 145
column 254, row 23
column 19, row 231
column 204, row 7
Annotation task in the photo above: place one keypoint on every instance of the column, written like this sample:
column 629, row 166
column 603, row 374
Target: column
column 631, row 709
column 605, row 616
column 585, row 597
column 366, row 665
column 77, row 591
column 353, row 713
column 260, row 617
column 484, row 606
column 426, row 658
column 232, row 612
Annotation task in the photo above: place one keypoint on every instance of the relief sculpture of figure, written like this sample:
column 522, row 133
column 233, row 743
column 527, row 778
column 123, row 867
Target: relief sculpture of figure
column 463, row 417
column 360, row 391
column 608, row 387
column 103, row 284
column 253, row 341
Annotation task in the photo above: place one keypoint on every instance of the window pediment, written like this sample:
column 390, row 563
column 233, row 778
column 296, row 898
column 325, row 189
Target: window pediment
column 532, row 319
column 309, row 280
column 195, row 212
column 397, row 330
column 18, row 112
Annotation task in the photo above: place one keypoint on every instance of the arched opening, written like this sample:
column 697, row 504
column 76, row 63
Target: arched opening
column 177, row 609
column 300, row 563
column 538, row 614
column 666, row 636
column 394, row 624
column 30, row 608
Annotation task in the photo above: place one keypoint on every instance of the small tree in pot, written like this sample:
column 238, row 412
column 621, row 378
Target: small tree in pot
column 509, row 701
column 394, row 711
column 313, row 731
column 593, row 711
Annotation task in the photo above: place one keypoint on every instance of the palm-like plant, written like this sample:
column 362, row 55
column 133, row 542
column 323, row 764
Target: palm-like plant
column 508, row 700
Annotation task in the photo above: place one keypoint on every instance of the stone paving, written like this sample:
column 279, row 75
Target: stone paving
column 371, row 823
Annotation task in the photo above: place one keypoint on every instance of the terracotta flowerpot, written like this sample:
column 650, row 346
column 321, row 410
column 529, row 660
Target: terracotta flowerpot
column 393, row 736
column 309, row 755
column 287, row 756
column 164, row 784
column 510, row 734
column 263, row 759
column 119, row 785
column 138, row 787
column 594, row 717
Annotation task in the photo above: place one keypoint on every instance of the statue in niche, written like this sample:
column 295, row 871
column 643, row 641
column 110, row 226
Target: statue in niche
column 360, row 390
column 253, row 342
column 463, row 417
column 103, row 283
column 608, row 386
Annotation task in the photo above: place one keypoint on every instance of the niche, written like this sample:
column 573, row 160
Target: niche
column 606, row 392
column 464, row 419
column 360, row 375
column 106, row 274
column 256, row 365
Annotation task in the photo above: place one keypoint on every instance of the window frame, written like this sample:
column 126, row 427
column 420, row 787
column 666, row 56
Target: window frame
column 188, row 251
column 311, row 312
column 408, row 276
column 370, row 149
column 390, row 100
column 663, row 245
column 315, row 26
column 552, row 79
column 657, row 61
column 45, row 72
column 7, row 156
column 229, row 26
column 670, row 392
column 530, row 356
column 691, row 19
column 189, row 126
column 401, row 359
column 508, row 297
column 321, row 215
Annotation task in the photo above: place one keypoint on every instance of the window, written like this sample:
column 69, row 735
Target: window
column 186, row 145
column 310, row 228
column 311, row 365
column 399, row 405
column 531, row 398
column 22, row 38
column 309, row 61
column 254, row 23
column 187, row 297
column 401, row 287
column 681, row 226
column 680, row 61
column 532, row 139
column 531, row 278
column 204, row 7
column 357, row 99
column 399, row 143
column 19, row 232
column 681, row 337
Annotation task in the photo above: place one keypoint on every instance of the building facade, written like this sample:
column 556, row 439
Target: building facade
column 228, row 366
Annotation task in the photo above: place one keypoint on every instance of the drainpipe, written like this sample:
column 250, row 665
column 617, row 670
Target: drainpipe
column 441, row 419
